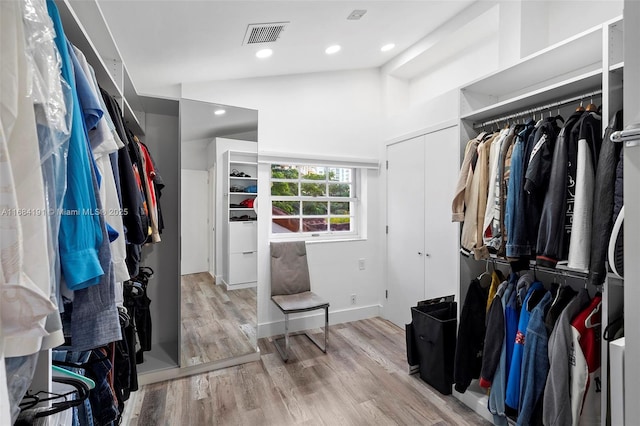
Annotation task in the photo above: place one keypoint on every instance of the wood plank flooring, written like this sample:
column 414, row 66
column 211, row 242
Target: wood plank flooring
column 362, row 380
column 216, row 323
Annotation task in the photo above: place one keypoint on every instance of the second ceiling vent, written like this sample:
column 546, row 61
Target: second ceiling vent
column 264, row 33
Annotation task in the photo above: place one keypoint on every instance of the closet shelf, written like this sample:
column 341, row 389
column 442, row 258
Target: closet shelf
column 78, row 35
column 562, row 61
column 617, row 66
column 576, row 85
column 577, row 66
column 86, row 28
column 246, row 163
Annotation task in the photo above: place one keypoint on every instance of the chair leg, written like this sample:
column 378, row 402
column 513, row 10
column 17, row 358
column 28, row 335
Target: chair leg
column 326, row 333
column 286, row 336
column 326, row 328
column 284, row 353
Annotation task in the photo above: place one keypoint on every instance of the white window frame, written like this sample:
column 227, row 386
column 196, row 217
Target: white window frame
column 358, row 198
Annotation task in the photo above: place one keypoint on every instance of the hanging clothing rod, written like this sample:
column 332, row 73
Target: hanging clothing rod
column 535, row 268
column 540, row 108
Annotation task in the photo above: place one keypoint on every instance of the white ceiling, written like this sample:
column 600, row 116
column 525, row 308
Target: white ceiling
column 165, row 43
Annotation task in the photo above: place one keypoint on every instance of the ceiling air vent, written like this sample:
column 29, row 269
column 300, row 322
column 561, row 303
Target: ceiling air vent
column 264, row 33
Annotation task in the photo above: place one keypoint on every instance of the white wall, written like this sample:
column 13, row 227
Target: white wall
column 326, row 113
column 334, row 113
column 567, row 18
column 194, row 155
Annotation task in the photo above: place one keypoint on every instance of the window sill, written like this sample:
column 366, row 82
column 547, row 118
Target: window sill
column 321, row 239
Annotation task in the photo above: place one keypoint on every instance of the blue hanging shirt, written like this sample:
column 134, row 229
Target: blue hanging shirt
column 80, row 233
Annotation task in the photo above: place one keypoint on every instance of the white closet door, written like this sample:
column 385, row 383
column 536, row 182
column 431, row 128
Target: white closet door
column 440, row 234
column 405, row 218
column 194, row 213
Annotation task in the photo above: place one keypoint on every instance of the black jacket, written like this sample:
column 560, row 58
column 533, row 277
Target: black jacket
column 493, row 341
column 537, row 175
column 132, row 218
column 468, row 358
column 551, row 233
column 603, row 203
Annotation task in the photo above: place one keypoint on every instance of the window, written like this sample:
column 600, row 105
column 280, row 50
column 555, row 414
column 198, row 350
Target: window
column 313, row 200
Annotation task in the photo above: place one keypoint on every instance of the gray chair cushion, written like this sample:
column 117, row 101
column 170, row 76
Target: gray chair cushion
column 299, row 302
column 289, row 269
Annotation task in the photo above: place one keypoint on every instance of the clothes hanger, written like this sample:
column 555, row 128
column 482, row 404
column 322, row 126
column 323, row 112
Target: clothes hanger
column 81, row 392
column 580, row 108
column 485, row 274
column 612, row 328
column 63, row 372
column 592, row 107
column 587, row 321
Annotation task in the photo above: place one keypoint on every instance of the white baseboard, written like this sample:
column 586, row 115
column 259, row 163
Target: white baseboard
column 241, row 285
column 316, row 319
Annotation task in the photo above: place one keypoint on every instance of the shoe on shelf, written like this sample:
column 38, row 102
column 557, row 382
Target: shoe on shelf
column 236, row 173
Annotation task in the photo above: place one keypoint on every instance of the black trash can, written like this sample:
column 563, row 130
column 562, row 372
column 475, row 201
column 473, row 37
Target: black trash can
column 434, row 336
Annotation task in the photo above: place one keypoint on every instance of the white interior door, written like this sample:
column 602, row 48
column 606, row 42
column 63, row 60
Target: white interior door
column 440, row 235
column 194, row 213
column 405, row 239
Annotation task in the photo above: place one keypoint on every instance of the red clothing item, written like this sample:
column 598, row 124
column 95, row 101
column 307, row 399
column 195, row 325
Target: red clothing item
column 586, row 326
column 149, row 173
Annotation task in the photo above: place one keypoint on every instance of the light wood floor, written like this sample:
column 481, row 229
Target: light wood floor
column 216, row 323
column 362, row 380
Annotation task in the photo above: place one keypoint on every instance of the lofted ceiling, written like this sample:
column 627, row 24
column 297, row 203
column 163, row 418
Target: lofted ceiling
column 165, row 43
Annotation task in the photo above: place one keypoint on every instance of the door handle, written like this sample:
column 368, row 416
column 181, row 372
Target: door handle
column 419, row 253
column 427, row 255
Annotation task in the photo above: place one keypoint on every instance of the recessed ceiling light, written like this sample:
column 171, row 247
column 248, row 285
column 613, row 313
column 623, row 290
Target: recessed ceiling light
column 387, row 47
column 219, row 112
column 264, row 53
column 356, row 14
column 333, row 49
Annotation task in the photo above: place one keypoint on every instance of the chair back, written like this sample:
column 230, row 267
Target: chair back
column 289, row 268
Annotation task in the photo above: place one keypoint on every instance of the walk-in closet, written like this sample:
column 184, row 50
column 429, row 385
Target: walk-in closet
column 459, row 171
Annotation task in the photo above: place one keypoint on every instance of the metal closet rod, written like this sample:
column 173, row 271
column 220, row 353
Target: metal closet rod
column 540, row 108
column 568, row 273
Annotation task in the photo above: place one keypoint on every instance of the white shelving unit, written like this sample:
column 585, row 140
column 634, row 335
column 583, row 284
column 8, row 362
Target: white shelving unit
column 241, row 266
column 589, row 62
